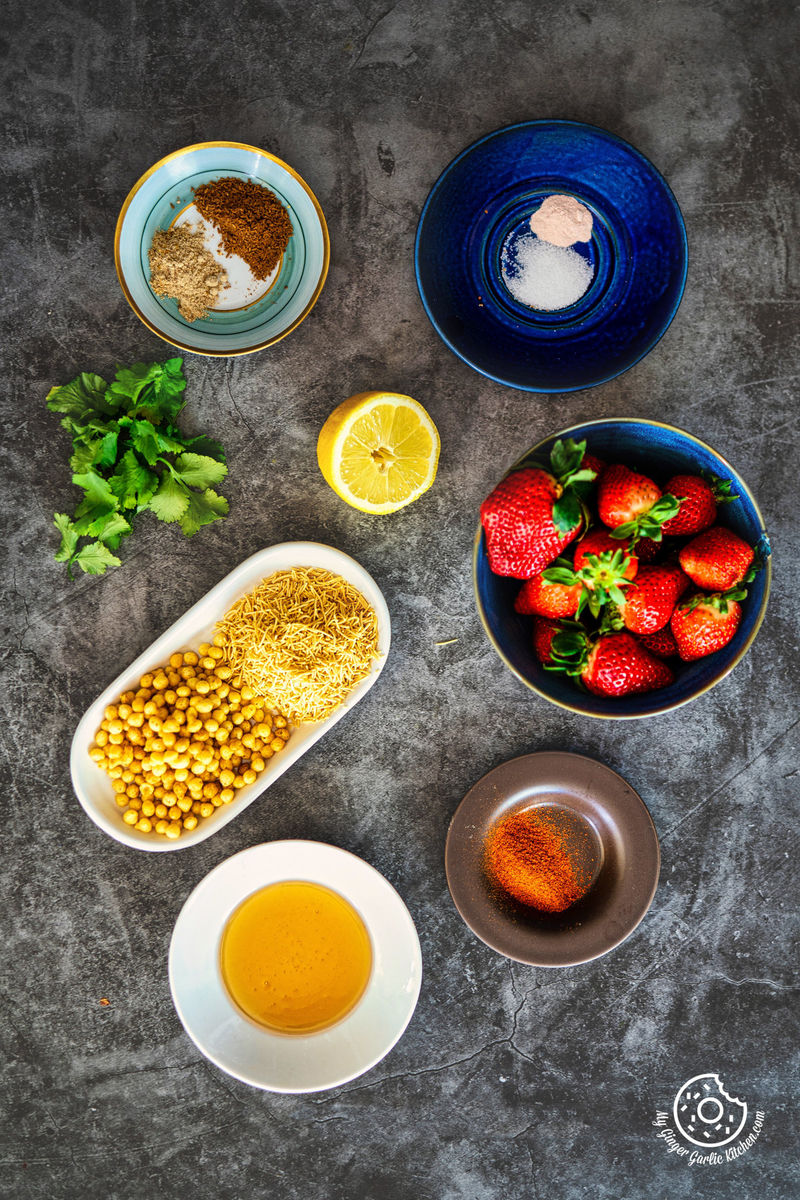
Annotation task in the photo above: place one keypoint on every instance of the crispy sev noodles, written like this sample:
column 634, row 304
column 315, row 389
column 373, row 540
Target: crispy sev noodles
column 302, row 639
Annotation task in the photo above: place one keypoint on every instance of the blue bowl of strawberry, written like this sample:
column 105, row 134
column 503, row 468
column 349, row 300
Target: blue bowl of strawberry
column 621, row 568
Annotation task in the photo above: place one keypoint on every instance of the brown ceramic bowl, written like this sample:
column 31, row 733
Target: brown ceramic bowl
column 620, row 830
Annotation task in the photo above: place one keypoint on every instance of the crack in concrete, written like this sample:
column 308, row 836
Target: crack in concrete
column 727, row 783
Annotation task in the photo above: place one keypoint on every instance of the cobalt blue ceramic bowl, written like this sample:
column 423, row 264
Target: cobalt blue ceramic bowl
column 482, row 203
column 659, row 451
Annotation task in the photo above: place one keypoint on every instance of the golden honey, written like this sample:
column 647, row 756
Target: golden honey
column 296, row 957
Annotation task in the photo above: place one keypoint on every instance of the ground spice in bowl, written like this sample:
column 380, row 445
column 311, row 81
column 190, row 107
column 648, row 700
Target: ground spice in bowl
column 543, row 857
column 181, row 266
column 250, row 218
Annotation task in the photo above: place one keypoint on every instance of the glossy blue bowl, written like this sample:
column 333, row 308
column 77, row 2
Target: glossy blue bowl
column 659, row 451
column 482, row 203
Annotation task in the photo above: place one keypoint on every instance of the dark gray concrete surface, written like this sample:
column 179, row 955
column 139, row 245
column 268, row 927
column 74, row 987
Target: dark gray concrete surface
column 511, row 1082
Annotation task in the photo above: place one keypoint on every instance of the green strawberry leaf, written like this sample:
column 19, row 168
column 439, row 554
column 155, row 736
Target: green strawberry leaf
column 720, row 487
column 563, row 575
column 171, row 500
column 69, row 537
column 197, row 470
column 567, row 512
column 566, row 458
column 203, row 508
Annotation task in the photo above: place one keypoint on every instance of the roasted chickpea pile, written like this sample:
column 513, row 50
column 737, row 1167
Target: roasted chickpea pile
column 183, row 744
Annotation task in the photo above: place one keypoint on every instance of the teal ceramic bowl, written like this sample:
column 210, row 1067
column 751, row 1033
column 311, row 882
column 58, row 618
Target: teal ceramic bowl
column 253, row 316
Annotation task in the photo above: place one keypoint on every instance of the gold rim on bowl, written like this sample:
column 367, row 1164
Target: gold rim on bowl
column 210, row 146
column 665, row 708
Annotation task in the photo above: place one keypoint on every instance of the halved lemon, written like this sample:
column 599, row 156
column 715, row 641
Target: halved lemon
column 379, row 451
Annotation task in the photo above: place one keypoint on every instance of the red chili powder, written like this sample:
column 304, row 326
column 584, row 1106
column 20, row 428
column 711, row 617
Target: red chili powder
column 541, row 858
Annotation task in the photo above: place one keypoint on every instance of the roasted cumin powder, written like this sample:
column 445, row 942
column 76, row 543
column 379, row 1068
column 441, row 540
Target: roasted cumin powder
column 540, row 858
column 250, row 218
column 182, row 267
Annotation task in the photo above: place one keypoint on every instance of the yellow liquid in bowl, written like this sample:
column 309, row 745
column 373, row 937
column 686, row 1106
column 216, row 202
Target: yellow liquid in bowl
column 296, row 957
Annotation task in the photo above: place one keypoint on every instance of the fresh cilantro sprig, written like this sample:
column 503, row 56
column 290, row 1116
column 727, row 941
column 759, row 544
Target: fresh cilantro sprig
column 128, row 457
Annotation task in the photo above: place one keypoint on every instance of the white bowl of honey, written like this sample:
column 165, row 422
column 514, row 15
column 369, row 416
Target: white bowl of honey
column 295, row 966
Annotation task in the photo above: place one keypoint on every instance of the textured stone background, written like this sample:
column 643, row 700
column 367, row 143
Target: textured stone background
column 511, row 1081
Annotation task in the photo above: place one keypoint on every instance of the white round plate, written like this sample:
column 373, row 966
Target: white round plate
column 294, row 1063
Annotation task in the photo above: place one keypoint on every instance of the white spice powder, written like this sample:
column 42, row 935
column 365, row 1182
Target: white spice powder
column 544, row 276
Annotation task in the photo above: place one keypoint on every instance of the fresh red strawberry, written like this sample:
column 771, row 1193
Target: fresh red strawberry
column 699, row 499
column 717, row 559
column 543, row 633
column 533, row 514
column 631, row 504
column 521, row 534
column 647, row 551
column 662, row 644
column 623, row 495
column 650, row 601
column 599, row 577
column 704, row 624
column 618, row 665
column 542, row 598
column 592, row 463
column 599, row 542
column 614, row 664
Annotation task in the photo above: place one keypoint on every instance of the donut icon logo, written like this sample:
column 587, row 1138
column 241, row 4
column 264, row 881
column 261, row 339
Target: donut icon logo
column 705, row 1114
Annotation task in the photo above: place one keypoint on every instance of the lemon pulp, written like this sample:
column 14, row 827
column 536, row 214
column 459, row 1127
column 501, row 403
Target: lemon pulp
column 379, row 451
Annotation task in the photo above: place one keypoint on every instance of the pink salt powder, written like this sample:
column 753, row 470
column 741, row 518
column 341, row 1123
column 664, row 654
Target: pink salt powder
column 562, row 220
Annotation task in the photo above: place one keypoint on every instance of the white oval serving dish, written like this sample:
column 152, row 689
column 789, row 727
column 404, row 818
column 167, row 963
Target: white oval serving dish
column 93, row 787
column 302, row 1062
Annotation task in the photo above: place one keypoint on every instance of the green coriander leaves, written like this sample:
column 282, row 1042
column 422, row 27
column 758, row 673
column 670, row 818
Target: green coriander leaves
column 129, row 457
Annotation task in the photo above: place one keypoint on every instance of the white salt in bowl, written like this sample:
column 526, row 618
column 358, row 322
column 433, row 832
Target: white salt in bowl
column 250, row 314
